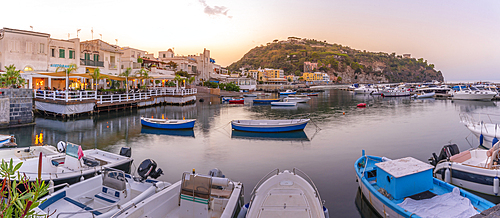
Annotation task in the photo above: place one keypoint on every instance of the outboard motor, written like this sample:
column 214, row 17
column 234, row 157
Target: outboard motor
column 126, row 151
column 148, row 168
column 446, row 152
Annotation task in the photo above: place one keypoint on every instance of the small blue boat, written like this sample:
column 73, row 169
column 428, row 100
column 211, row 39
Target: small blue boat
column 167, row 123
column 269, row 125
column 405, row 188
column 265, row 101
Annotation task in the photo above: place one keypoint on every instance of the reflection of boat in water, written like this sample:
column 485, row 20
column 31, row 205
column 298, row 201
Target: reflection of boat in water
column 364, row 208
column 172, row 132
column 469, row 106
column 279, row 136
column 284, row 107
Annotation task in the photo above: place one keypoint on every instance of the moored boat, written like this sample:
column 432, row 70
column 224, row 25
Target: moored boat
column 168, row 123
column 194, row 196
column 288, row 92
column 471, row 93
column 105, row 194
column 424, row 95
column 285, row 194
column 284, row 103
column 72, row 164
column 405, row 188
column 7, row 141
column 250, row 95
column 313, row 94
column 399, row 92
column 263, row 101
column 269, row 125
column 474, row 169
column 237, row 101
column 297, row 99
column 485, row 131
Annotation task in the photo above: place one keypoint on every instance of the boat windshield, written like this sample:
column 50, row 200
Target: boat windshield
column 473, row 88
column 196, row 185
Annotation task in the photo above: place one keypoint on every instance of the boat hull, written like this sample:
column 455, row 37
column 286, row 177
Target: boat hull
column 270, row 128
column 387, row 208
column 471, row 96
column 288, row 104
column 264, row 101
column 184, row 125
column 288, row 93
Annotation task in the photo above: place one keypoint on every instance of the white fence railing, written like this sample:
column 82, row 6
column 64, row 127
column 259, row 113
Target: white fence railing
column 110, row 98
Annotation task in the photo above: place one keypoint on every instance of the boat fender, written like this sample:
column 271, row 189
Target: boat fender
column 447, row 176
column 496, row 182
column 215, row 173
column 82, row 178
column 481, row 139
column 325, row 210
column 495, row 140
column 51, row 185
column 243, row 211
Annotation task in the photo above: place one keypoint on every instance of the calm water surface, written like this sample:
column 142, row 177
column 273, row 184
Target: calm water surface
column 391, row 127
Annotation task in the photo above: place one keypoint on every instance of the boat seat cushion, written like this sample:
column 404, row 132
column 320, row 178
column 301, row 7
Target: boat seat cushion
column 461, row 157
column 109, row 195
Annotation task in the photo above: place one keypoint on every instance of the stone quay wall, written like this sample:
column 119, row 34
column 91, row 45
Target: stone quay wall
column 20, row 108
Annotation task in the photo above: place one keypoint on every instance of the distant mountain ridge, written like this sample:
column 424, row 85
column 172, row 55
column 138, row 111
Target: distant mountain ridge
column 337, row 60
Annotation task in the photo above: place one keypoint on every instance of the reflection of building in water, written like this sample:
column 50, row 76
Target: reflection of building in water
column 171, row 112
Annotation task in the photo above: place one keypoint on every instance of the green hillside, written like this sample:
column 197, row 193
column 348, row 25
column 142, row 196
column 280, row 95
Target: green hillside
column 350, row 64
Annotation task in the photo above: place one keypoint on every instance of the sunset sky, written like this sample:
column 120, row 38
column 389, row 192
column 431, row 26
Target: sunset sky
column 462, row 38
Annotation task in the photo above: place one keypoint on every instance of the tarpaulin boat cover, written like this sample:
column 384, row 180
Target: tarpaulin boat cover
column 446, row 205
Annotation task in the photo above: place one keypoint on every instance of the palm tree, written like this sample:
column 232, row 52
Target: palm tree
column 178, row 80
column 71, row 68
column 143, row 74
column 96, row 76
column 172, row 65
column 127, row 73
column 191, row 80
column 11, row 77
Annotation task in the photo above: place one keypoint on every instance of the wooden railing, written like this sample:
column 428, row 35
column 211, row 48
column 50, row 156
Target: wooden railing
column 110, row 98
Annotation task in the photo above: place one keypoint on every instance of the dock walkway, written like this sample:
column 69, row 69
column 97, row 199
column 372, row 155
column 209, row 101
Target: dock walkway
column 68, row 103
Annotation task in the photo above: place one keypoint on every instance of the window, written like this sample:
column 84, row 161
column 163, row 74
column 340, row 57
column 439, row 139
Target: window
column 133, row 53
column 163, row 55
column 71, row 54
column 42, row 48
column 53, row 52
column 96, row 57
column 87, row 56
column 61, row 53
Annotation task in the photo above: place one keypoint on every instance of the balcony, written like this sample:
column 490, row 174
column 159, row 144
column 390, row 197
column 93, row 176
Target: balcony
column 91, row 63
column 112, row 66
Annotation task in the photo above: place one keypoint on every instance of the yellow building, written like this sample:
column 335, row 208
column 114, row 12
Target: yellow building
column 312, row 77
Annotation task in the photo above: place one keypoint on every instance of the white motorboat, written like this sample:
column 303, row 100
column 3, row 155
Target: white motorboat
column 471, row 93
column 398, row 92
column 105, row 194
column 288, row 92
column 424, row 95
column 249, row 95
column 366, row 89
column 284, row 103
column 69, row 166
column 485, row 131
column 285, row 194
column 474, row 169
column 22, row 154
column 195, row 196
column 297, row 99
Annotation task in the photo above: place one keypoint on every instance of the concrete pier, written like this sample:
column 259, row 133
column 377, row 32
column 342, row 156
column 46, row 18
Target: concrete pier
column 493, row 212
column 16, row 107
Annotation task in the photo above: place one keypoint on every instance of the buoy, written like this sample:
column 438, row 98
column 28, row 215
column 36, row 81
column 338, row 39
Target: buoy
column 496, row 182
column 362, row 105
column 82, row 178
column 344, row 113
column 447, row 176
column 481, row 139
column 243, row 211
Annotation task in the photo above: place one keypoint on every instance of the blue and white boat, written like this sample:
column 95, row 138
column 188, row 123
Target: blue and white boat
column 288, row 92
column 405, row 188
column 269, row 125
column 7, row 141
column 250, row 95
column 168, row 123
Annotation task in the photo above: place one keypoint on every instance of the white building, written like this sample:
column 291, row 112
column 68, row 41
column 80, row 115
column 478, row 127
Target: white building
column 99, row 54
column 130, row 57
column 184, row 63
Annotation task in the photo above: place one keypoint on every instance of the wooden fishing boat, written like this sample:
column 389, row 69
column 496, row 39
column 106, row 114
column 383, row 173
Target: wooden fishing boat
column 284, row 103
column 313, row 94
column 405, row 188
column 168, row 123
column 269, row 125
column 237, row 101
column 288, row 92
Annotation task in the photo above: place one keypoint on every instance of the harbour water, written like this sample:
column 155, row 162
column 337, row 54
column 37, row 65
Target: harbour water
column 326, row 151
